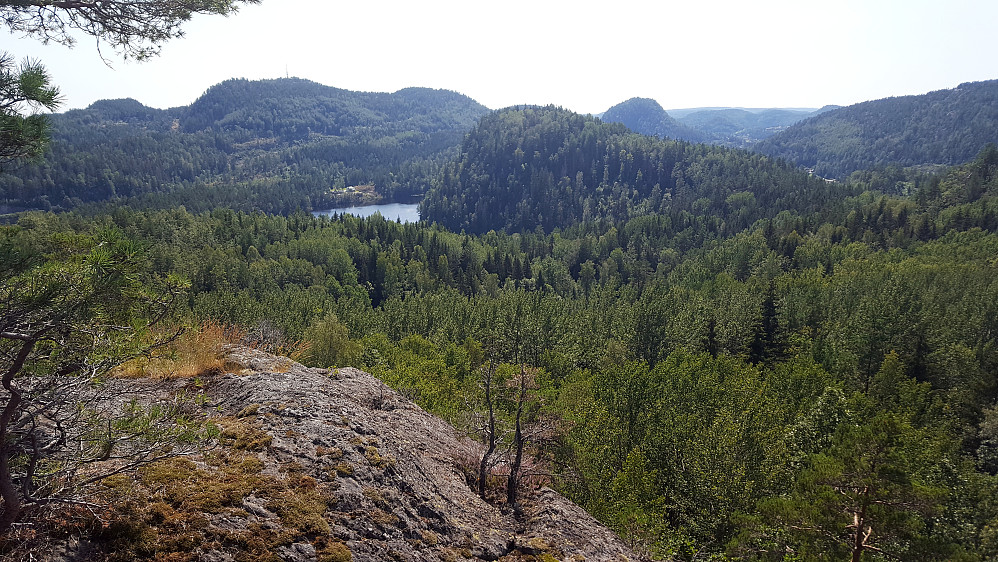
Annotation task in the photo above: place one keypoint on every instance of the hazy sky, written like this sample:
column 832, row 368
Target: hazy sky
column 581, row 55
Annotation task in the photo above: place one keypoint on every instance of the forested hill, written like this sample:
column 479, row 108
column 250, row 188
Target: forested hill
column 273, row 145
column 646, row 116
column 520, row 169
column 942, row 127
column 295, row 109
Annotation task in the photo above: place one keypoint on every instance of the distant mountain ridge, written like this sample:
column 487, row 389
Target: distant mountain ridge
column 681, row 113
column 944, row 127
column 286, row 144
column 745, row 127
column 728, row 126
column 272, row 145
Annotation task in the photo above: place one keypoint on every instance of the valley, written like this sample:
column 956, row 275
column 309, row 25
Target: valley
column 663, row 318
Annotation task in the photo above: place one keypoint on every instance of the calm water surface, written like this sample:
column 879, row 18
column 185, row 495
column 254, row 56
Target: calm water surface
column 406, row 211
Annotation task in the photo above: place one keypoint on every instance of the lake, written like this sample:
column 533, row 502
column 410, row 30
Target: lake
column 408, row 212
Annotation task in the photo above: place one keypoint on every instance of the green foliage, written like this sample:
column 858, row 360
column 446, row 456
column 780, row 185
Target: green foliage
column 711, row 428
column 875, row 488
column 639, row 510
column 330, row 345
column 436, row 377
column 24, row 89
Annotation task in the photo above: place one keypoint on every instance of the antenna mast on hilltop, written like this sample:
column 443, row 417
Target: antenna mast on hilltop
column 286, row 75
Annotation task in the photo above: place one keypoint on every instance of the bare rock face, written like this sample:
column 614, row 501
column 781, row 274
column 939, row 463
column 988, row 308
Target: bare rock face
column 400, row 491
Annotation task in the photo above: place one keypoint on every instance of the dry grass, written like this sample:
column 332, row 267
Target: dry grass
column 200, row 351
column 334, row 551
column 342, row 469
column 195, row 352
column 295, row 349
column 333, row 453
column 376, row 460
column 382, row 518
column 243, row 435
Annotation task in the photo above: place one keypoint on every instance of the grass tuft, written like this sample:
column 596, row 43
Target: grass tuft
column 197, row 351
column 243, row 435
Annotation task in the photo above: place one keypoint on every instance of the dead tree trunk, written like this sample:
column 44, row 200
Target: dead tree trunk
column 490, row 431
column 862, row 531
column 513, row 480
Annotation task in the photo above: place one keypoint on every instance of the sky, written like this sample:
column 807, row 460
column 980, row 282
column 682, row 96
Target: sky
column 582, row 55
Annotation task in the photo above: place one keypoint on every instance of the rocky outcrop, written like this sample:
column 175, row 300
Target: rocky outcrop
column 397, row 473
